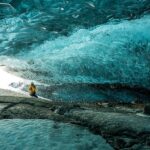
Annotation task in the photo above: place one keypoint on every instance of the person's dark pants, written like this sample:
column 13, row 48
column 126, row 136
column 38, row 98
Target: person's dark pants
column 34, row 95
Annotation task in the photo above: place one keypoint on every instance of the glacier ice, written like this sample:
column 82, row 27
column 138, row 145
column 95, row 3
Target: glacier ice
column 72, row 42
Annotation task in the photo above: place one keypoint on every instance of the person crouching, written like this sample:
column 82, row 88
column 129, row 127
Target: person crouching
column 32, row 90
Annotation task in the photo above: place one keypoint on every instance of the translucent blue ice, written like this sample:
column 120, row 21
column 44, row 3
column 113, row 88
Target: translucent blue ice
column 92, row 42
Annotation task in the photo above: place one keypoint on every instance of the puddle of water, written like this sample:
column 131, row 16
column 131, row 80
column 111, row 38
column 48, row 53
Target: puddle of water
column 45, row 135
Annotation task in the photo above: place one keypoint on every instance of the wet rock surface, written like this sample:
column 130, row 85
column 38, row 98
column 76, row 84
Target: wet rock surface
column 118, row 123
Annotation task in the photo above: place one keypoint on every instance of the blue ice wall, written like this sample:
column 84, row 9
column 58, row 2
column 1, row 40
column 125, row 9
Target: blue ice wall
column 78, row 42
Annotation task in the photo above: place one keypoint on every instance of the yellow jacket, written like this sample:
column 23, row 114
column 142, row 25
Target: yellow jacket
column 32, row 89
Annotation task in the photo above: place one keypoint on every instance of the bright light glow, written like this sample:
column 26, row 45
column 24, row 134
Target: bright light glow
column 6, row 79
column 11, row 82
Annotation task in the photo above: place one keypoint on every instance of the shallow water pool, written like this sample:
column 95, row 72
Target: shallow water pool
column 20, row 134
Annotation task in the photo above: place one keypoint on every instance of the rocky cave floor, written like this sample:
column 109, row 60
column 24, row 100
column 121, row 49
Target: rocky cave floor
column 124, row 126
